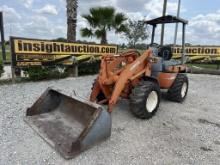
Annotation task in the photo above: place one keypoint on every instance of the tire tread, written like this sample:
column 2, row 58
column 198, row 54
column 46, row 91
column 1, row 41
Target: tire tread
column 138, row 99
column 174, row 93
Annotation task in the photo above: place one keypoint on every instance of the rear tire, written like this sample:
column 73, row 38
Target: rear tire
column 145, row 99
column 179, row 89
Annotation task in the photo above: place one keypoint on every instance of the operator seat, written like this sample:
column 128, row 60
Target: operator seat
column 164, row 60
column 165, row 52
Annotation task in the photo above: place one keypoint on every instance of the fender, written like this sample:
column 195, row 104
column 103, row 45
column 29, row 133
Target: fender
column 151, row 78
column 166, row 79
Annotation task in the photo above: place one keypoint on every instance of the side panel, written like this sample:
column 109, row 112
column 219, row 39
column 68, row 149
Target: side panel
column 166, row 79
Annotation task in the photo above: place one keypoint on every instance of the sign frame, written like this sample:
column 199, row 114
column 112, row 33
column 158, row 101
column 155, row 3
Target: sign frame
column 98, row 50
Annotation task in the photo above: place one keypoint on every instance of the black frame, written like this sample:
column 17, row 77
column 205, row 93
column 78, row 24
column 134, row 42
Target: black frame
column 165, row 20
column 13, row 54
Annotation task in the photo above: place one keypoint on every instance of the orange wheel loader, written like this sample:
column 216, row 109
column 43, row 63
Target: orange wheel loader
column 73, row 124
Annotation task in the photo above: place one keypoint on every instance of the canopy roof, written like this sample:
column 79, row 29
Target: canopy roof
column 166, row 19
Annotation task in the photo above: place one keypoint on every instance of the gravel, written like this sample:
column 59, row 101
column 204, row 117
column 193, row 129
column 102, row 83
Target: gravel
column 7, row 72
column 187, row 133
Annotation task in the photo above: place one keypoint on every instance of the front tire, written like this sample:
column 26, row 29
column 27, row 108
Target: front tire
column 145, row 99
column 179, row 89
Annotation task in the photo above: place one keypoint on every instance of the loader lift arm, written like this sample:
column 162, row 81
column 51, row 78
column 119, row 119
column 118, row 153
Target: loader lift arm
column 134, row 69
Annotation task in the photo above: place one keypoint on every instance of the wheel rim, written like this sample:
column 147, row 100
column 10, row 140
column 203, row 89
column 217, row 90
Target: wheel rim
column 152, row 101
column 184, row 89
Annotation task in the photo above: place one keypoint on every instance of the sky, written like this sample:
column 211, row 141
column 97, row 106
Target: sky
column 46, row 19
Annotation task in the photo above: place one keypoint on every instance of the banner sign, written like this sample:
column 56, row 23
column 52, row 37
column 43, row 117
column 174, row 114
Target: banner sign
column 208, row 53
column 34, row 52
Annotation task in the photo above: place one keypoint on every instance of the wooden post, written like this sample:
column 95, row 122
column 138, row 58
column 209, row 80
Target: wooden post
column 218, row 65
column 2, row 37
column 76, row 70
column 13, row 74
column 13, row 59
column 75, row 67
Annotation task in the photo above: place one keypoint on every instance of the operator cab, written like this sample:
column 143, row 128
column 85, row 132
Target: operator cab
column 164, row 52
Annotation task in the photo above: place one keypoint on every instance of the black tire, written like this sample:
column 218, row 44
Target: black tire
column 175, row 92
column 139, row 96
column 100, row 96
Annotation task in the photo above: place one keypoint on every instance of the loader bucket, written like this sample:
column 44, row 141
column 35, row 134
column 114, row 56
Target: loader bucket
column 69, row 124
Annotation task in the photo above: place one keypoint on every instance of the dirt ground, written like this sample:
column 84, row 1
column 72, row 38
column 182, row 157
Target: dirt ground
column 187, row 133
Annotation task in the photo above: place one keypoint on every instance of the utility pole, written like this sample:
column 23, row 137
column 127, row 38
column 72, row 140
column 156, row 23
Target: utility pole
column 2, row 37
column 176, row 29
column 163, row 26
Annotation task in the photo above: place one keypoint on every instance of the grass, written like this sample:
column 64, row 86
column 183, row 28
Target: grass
column 8, row 56
column 22, row 80
column 205, row 66
column 26, row 80
column 9, row 81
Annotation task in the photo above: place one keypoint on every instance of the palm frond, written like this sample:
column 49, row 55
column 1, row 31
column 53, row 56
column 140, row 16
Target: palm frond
column 93, row 21
column 119, row 19
column 107, row 12
column 99, row 33
column 85, row 32
column 101, row 20
column 103, row 15
column 121, row 28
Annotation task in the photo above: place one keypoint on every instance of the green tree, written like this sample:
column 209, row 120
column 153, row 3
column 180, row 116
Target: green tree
column 101, row 20
column 60, row 39
column 137, row 31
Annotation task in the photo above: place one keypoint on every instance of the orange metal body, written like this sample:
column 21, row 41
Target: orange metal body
column 119, row 73
column 166, row 79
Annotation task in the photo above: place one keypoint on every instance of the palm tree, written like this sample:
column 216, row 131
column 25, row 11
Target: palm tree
column 71, row 6
column 101, row 20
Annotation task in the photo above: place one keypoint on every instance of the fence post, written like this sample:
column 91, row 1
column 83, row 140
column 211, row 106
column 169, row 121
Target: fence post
column 75, row 69
column 13, row 74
